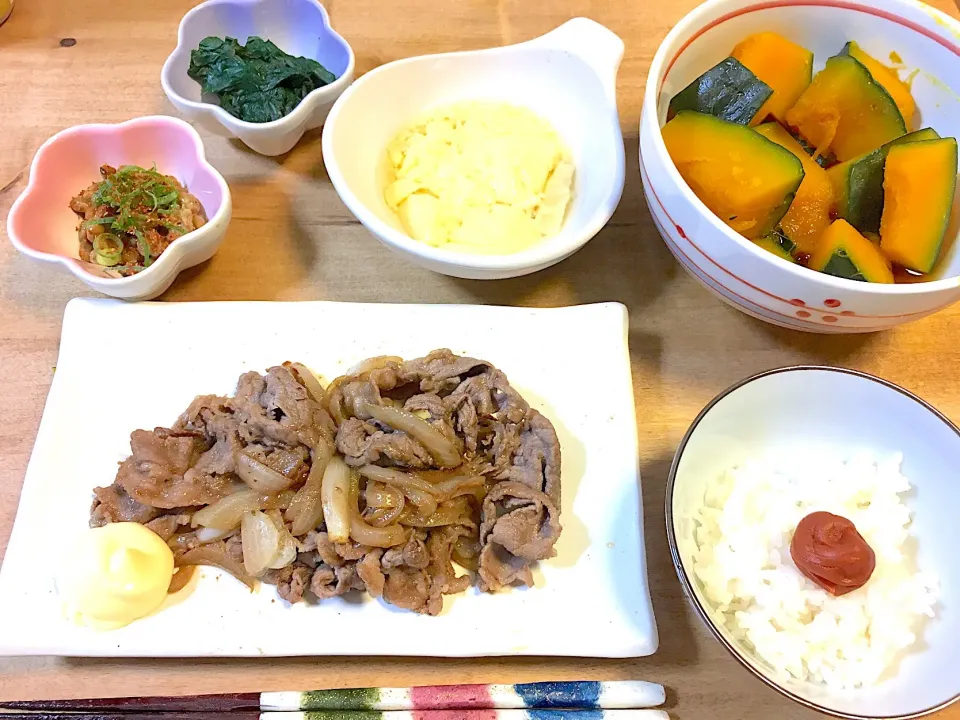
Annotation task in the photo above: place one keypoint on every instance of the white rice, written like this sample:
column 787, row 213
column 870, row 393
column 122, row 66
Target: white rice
column 744, row 566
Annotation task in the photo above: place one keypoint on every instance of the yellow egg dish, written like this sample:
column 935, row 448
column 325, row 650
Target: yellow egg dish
column 479, row 177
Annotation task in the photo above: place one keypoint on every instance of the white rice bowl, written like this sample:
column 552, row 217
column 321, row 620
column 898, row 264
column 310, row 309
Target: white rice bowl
column 754, row 589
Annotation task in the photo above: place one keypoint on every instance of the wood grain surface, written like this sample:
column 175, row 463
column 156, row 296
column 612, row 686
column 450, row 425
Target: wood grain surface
column 292, row 239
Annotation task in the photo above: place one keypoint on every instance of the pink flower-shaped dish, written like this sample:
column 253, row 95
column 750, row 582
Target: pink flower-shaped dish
column 42, row 225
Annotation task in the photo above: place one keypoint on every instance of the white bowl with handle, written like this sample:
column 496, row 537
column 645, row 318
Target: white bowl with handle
column 567, row 77
column 740, row 273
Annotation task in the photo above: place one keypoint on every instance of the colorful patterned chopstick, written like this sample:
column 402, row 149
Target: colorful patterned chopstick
column 576, row 694
column 579, row 694
column 462, row 714
column 474, row 714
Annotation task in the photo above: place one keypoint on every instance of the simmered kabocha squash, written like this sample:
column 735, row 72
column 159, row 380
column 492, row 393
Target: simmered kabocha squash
column 809, row 213
column 887, row 77
column 785, row 66
column 858, row 183
column 845, row 253
column 779, row 244
column 745, row 179
column 845, row 111
column 919, row 184
column 728, row 91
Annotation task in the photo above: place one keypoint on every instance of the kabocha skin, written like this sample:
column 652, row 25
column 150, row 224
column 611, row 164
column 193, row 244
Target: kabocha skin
column 898, row 89
column 919, row 184
column 809, row 213
column 844, row 111
column 728, row 91
column 779, row 244
column 863, row 200
column 845, row 253
column 744, row 178
column 784, row 66
column 858, row 184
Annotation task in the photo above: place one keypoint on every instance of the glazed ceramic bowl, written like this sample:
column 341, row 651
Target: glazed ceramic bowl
column 42, row 225
column 567, row 77
column 298, row 27
column 801, row 408
column 742, row 274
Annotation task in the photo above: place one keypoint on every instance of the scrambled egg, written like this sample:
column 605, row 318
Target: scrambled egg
column 479, row 177
column 114, row 575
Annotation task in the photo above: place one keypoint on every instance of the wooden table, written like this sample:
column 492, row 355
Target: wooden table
column 292, row 239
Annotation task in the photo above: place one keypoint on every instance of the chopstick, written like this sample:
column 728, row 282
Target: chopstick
column 578, row 694
column 474, row 714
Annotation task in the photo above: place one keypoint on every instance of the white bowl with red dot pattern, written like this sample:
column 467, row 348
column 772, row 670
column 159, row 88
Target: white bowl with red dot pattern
column 744, row 275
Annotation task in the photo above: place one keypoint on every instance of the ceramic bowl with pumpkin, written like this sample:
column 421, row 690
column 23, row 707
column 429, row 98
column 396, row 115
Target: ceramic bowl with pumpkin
column 826, row 210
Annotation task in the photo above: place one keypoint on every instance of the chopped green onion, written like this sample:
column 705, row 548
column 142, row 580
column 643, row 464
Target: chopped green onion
column 98, row 221
column 173, row 226
column 108, row 249
column 168, row 198
column 144, row 248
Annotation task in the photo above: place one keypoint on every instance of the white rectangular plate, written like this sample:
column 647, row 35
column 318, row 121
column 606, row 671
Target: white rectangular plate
column 128, row 366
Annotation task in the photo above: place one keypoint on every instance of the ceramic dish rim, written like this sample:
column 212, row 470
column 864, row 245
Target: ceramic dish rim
column 694, row 25
column 681, row 571
column 545, row 251
column 173, row 252
column 233, row 123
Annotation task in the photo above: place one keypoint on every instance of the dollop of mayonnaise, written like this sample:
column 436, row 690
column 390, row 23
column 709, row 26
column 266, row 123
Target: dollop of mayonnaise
column 479, row 177
column 115, row 574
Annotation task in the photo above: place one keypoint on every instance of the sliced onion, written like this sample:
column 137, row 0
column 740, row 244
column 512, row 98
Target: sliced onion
column 216, row 556
column 443, row 450
column 208, row 534
column 335, row 497
column 265, row 480
column 377, row 495
column 466, row 552
column 180, row 579
column 468, row 547
column 280, row 501
column 261, row 542
column 226, row 512
column 374, row 363
column 384, row 504
column 475, row 485
column 288, row 546
column 306, row 510
column 383, row 537
column 450, row 513
column 381, row 517
column 417, row 490
column 309, row 381
column 287, row 462
column 365, row 534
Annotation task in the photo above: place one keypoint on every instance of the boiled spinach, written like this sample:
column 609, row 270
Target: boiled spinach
column 257, row 82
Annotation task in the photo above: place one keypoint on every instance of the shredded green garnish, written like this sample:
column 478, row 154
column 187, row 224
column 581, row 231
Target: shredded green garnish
column 144, row 248
column 133, row 192
column 135, row 201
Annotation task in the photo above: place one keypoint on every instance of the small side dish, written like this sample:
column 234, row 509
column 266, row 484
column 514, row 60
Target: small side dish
column 479, row 177
column 131, row 215
column 821, row 170
column 807, row 561
column 379, row 482
column 257, row 82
